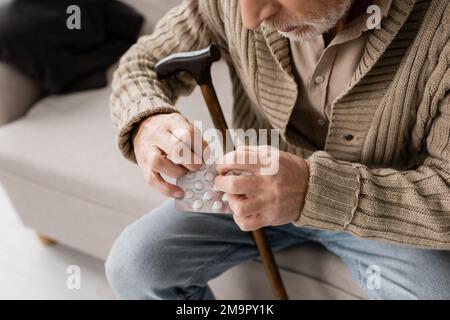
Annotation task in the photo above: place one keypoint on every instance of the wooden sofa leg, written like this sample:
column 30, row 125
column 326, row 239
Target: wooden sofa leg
column 45, row 240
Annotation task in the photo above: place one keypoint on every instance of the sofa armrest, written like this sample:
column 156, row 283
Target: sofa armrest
column 18, row 93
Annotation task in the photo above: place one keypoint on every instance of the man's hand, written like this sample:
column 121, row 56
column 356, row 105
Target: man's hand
column 159, row 143
column 263, row 200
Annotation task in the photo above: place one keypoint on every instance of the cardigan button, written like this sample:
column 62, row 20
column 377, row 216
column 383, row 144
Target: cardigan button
column 349, row 137
column 319, row 80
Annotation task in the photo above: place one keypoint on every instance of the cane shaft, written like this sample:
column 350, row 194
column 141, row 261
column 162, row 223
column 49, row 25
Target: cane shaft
column 215, row 110
column 270, row 265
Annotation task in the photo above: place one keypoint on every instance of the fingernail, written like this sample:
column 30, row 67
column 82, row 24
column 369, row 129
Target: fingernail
column 178, row 194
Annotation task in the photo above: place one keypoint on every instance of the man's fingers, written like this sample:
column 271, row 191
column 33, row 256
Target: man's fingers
column 178, row 152
column 155, row 163
column 241, row 185
column 185, row 144
column 250, row 223
column 248, row 158
column 190, row 135
column 244, row 206
column 182, row 154
column 160, row 164
column 238, row 169
column 239, row 161
column 240, row 157
column 155, row 180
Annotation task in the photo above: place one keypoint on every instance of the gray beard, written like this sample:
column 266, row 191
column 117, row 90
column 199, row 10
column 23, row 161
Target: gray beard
column 317, row 27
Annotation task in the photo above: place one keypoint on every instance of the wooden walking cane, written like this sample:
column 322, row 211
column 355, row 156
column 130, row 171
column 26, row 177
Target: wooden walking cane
column 198, row 65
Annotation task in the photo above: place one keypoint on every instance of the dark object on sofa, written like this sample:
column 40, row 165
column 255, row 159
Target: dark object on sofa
column 34, row 37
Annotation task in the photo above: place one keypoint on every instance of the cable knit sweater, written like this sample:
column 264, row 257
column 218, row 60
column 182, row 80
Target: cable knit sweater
column 385, row 170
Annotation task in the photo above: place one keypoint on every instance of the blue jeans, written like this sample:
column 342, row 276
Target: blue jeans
column 169, row 254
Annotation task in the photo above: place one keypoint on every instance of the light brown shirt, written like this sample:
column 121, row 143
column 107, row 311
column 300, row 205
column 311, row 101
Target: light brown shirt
column 323, row 73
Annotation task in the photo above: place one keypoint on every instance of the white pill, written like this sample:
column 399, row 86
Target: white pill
column 209, row 176
column 208, row 196
column 188, row 194
column 198, row 204
column 215, row 189
column 190, row 175
column 225, row 197
column 217, row 205
column 199, row 185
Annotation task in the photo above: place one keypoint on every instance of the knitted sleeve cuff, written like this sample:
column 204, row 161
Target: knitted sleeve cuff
column 144, row 108
column 333, row 193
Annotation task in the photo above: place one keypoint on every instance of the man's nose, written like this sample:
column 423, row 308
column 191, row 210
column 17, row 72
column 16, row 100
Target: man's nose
column 254, row 12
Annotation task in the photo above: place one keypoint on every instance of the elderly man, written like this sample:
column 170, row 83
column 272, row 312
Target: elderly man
column 364, row 167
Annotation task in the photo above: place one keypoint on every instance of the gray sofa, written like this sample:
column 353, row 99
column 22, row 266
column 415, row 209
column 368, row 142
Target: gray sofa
column 62, row 171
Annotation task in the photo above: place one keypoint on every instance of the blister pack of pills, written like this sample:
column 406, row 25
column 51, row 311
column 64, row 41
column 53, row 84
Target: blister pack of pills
column 200, row 194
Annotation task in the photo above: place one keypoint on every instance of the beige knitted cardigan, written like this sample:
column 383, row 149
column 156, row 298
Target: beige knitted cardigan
column 392, row 180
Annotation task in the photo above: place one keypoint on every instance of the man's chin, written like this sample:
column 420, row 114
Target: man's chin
column 301, row 34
